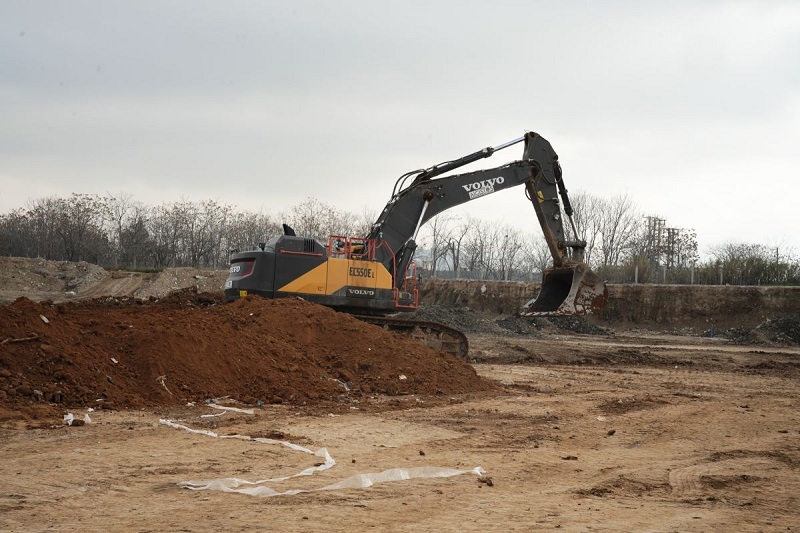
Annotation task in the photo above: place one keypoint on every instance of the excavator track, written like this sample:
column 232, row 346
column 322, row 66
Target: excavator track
column 431, row 334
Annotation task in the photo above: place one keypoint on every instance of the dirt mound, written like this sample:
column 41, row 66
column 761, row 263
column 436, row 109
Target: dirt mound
column 135, row 353
column 469, row 320
column 43, row 279
column 783, row 330
column 59, row 281
column 460, row 317
column 574, row 324
column 171, row 279
column 190, row 296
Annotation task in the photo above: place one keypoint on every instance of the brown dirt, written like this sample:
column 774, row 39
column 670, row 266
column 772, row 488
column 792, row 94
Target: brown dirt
column 132, row 353
column 625, row 430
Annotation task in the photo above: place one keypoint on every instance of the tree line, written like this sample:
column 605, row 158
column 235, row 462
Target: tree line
column 122, row 232
column 623, row 245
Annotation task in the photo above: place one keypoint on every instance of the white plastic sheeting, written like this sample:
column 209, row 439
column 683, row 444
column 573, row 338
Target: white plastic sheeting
column 358, row 481
column 233, row 409
column 69, row 419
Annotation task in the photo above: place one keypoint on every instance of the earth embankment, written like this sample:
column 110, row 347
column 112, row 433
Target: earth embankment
column 698, row 307
column 61, row 281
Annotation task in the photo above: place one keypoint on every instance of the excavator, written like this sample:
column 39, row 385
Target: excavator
column 374, row 276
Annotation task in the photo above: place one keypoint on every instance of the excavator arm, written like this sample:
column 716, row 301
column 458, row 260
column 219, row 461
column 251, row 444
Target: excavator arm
column 570, row 287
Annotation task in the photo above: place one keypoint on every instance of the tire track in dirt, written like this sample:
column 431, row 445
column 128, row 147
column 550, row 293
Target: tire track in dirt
column 728, row 474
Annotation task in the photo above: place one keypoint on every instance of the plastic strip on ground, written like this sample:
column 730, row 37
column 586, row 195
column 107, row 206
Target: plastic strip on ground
column 358, row 481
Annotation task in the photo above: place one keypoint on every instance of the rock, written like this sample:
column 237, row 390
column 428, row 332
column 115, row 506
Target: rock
column 55, row 397
column 486, row 480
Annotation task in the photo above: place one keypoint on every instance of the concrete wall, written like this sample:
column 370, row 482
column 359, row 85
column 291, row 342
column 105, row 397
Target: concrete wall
column 697, row 306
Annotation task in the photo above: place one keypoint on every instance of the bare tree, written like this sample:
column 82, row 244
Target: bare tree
column 165, row 227
column 493, row 236
column 475, row 247
column 361, row 224
column 133, row 238
column 317, row 220
column 509, row 251
column 43, row 218
column 455, row 243
column 588, row 220
column 618, row 228
column 117, row 218
column 210, row 233
column 246, row 229
column 738, row 263
column 80, row 220
column 16, row 236
column 534, row 255
column 683, row 247
column 439, row 231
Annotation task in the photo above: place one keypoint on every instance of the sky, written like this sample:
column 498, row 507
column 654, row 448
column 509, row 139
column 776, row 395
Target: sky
column 690, row 108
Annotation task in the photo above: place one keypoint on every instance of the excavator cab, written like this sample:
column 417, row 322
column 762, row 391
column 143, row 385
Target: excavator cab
column 568, row 290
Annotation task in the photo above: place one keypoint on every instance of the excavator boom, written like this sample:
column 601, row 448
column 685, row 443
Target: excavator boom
column 569, row 288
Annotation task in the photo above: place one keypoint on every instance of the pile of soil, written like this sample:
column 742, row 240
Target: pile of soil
column 39, row 279
column 130, row 353
column 574, row 324
column 783, row 330
column 171, row 279
column 460, row 317
column 19, row 275
column 469, row 320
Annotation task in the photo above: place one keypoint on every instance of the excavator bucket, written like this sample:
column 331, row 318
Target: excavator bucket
column 568, row 290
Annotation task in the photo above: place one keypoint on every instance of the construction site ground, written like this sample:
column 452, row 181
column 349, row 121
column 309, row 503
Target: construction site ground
column 606, row 429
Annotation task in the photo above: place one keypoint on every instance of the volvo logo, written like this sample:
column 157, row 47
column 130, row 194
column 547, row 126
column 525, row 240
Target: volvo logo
column 483, row 187
column 360, row 292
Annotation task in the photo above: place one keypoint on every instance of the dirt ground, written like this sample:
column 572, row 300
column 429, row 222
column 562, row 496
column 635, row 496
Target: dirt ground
column 630, row 430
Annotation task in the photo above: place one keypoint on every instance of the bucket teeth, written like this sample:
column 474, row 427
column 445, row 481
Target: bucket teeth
column 569, row 290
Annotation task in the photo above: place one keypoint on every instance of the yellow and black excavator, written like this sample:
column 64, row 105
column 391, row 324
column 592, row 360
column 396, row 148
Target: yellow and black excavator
column 373, row 276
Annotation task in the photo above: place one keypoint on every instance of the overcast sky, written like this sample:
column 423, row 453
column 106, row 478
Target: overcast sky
column 691, row 108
